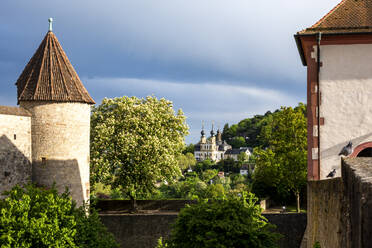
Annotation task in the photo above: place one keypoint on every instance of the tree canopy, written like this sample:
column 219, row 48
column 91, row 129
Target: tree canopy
column 135, row 143
column 246, row 132
column 282, row 165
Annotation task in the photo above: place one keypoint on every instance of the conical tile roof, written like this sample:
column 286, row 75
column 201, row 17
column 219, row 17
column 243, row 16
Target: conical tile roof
column 349, row 16
column 49, row 76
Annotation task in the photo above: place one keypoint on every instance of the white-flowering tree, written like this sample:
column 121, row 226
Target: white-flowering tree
column 135, row 143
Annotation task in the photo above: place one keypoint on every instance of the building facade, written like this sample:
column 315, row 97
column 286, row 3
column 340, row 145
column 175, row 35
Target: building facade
column 337, row 51
column 215, row 149
column 54, row 111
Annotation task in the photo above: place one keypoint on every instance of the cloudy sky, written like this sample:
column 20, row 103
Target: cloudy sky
column 221, row 60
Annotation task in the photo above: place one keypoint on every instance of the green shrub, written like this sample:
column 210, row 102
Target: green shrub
column 316, row 245
column 231, row 222
column 91, row 232
column 37, row 217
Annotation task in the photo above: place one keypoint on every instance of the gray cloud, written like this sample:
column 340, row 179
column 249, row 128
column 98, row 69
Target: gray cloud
column 221, row 60
column 221, row 103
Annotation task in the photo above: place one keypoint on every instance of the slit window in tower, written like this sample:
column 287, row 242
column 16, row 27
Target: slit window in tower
column 15, row 136
column 43, row 161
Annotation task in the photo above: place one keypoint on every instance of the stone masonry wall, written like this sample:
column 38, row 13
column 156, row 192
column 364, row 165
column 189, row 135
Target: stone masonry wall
column 324, row 212
column 340, row 209
column 60, row 146
column 143, row 230
column 357, row 182
column 15, row 150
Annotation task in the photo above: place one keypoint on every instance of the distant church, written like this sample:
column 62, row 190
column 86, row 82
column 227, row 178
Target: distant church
column 215, row 149
column 46, row 138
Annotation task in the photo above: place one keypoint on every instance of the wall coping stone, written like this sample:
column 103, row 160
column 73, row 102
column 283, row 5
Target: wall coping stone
column 8, row 110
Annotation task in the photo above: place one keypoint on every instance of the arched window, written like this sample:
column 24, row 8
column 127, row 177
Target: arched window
column 367, row 152
column 362, row 150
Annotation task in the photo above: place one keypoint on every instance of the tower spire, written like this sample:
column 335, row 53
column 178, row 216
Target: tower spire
column 50, row 20
column 212, row 131
column 202, row 131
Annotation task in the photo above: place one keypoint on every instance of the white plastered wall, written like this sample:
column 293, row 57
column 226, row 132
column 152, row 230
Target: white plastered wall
column 346, row 101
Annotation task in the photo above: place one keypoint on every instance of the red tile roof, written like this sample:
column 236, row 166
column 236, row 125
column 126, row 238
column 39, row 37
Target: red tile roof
column 49, row 76
column 349, row 16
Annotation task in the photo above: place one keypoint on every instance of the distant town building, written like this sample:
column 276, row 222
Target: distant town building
column 244, row 170
column 215, row 149
column 221, row 174
column 233, row 153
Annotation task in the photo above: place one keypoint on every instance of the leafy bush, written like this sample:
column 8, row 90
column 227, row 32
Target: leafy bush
column 232, row 222
column 316, row 245
column 37, row 217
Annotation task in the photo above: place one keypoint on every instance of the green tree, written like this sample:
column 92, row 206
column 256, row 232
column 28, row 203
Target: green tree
column 249, row 129
column 283, row 163
column 39, row 217
column 204, row 165
column 209, row 175
column 226, row 165
column 215, row 191
column 189, row 149
column 238, row 142
column 229, row 222
column 242, row 158
column 186, row 161
column 135, row 143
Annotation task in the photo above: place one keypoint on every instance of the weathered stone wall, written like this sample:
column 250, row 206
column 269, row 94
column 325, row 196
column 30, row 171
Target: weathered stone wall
column 291, row 226
column 60, row 146
column 324, row 212
column 357, row 178
column 340, row 209
column 143, row 230
column 138, row 230
column 157, row 205
column 15, row 150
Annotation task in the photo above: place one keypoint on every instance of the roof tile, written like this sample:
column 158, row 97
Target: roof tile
column 349, row 16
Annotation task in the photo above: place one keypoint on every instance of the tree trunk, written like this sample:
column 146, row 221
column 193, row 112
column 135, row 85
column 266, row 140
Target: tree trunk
column 298, row 202
column 133, row 201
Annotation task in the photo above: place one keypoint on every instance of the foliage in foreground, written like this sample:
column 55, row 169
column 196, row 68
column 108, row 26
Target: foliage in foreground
column 135, row 143
column 231, row 222
column 36, row 217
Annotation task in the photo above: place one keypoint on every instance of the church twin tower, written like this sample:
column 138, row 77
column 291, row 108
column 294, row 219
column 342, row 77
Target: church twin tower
column 58, row 104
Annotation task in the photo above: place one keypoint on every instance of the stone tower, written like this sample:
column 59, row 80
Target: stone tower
column 50, row 89
column 337, row 51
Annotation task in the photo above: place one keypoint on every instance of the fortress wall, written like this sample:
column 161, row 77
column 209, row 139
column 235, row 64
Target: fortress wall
column 324, row 213
column 357, row 179
column 340, row 209
column 143, row 230
column 15, row 148
column 60, row 146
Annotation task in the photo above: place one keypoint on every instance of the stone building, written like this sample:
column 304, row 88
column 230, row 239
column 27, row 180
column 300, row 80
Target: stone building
column 337, row 51
column 215, row 149
column 46, row 138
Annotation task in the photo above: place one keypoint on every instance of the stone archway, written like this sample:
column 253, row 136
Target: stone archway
column 362, row 150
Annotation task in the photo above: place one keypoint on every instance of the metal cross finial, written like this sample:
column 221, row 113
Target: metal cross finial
column 202, row 125
column 50, row 20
